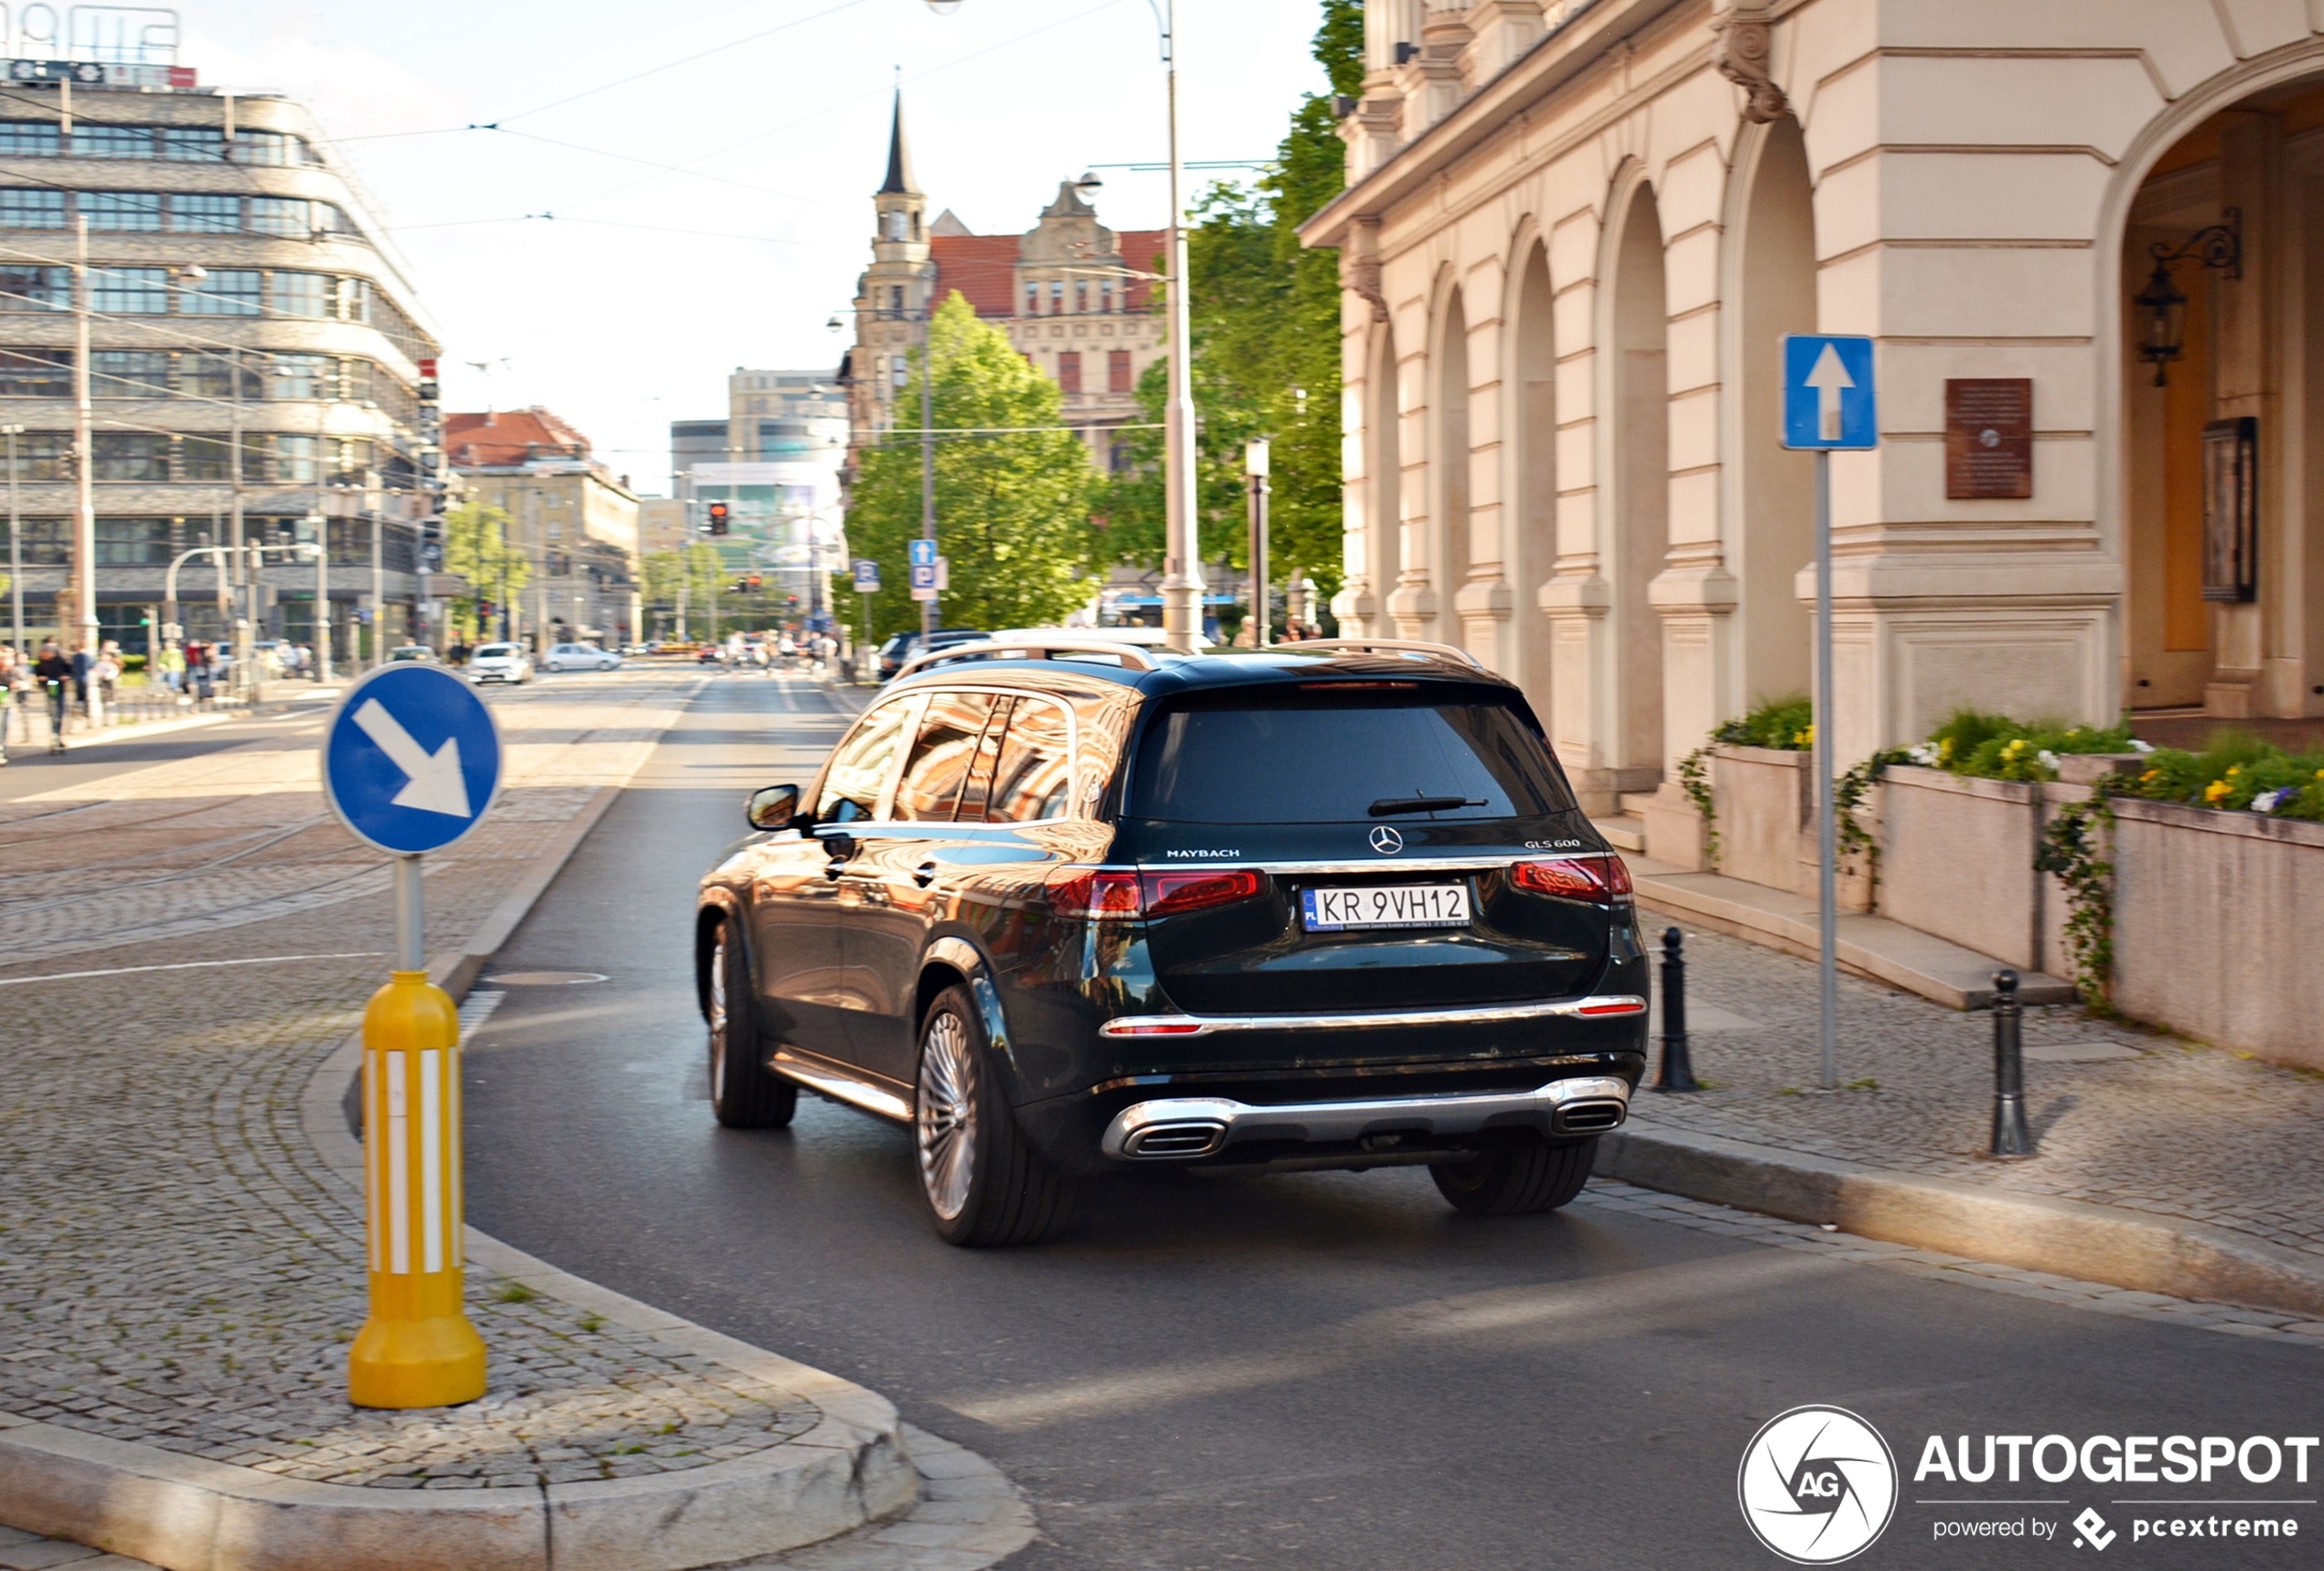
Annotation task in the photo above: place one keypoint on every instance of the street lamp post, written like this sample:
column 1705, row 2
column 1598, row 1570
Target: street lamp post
column 84, row 506
column 1182, row 556
column 16, row 557
column 1254, row 466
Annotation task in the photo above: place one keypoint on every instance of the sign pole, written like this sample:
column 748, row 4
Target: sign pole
column 1830, row 404
column 1826, row 802
column 411, row 761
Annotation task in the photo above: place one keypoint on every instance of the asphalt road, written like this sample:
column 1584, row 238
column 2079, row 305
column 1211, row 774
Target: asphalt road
column 1329, row 1370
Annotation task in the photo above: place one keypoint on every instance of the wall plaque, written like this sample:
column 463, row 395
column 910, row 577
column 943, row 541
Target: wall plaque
column 1988, row 437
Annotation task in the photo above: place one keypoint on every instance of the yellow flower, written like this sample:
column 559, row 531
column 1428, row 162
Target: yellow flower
column 1805, row 738
column 2150, row 777
column 2233, row 769
column 2216, row 790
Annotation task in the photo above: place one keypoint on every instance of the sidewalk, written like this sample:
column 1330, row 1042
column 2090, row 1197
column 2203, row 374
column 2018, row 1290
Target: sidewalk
column 183, row 1267
column 2164, row 1166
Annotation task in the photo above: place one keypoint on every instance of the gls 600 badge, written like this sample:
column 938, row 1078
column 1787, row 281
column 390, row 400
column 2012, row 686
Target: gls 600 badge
column 1818, row 1485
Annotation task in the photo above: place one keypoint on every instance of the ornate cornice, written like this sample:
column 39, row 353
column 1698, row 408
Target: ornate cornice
column 1741, row 53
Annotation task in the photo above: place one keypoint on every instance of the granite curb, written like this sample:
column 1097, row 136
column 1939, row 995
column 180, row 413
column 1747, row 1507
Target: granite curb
column 844, row 1477
column 2075, row 1238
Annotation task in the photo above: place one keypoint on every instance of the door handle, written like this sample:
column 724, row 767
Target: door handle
column 924, row 875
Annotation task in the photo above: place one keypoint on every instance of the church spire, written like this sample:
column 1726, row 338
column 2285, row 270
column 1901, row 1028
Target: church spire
column 900, row 159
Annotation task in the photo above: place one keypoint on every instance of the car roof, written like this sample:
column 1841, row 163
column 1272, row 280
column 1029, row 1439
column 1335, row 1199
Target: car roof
column 1216, row 669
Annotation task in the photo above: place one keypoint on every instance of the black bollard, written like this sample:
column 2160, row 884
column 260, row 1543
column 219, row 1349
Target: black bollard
column 1677, row 1074
column 2011, row 1140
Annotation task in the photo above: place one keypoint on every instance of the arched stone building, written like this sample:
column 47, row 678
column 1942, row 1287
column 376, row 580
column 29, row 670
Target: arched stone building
column 1575, row 234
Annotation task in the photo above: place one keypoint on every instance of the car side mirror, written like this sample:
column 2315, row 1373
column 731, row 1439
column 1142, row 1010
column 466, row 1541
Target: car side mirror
column 773, row 807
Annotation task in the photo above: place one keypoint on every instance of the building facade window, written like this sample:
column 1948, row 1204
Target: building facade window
column 1118, row 375
column 305, row 377
column 28, row 138
column 21, row 209
column 112, row 141
column 131, row 211
column 299, row 294
column 1032, row 299
column 212, row 375
column 34, row 288
column 1105, row 294
column 131, row 455
column 273, row 148
column 192, row 144
column 284, row 216
column 1068, row 371
column 40, row 456
column 191, row 214
column 129, row 291
column 295, row 459
column 133, row 542
column 36, row 374
column 129, row 374
column 227, row 292
column 1081, row 296
column 1057, row 296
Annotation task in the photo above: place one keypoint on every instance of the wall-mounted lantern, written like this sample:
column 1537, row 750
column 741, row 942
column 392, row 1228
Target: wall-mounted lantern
column 2221, row 246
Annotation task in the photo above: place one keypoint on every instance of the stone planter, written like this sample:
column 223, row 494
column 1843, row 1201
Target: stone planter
column 2218, row 918
column 1957, row 860
column 1765, row 799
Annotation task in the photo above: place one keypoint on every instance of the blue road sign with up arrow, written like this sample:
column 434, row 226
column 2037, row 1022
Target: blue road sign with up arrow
column 924, row 553
column 412, row 758
column 1828, row 400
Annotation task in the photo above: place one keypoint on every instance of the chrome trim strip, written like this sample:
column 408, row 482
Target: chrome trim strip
column 1540, row 1108
column 1464, row 1015
column 840, row 1086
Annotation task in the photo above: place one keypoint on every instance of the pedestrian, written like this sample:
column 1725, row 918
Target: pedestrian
column 106, row 672
column 199, row 673
column 84, row 667
column 173, row 672
column 53, row 672
column 7, row 696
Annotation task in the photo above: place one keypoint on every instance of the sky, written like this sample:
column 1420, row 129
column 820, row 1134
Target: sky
column 565, row 263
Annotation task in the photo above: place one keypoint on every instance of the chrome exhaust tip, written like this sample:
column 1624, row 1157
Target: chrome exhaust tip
column 1181, row 1141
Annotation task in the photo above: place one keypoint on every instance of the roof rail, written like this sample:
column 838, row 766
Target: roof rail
column 1393, row 646
column 1131, row 657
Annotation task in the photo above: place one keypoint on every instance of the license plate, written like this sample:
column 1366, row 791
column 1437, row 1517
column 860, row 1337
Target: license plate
column 1386, row 906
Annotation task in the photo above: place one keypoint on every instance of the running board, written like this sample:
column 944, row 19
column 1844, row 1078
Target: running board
column 841, row 1085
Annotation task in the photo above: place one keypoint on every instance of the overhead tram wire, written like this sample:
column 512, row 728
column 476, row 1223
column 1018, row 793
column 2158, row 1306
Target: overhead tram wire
column 860, row 98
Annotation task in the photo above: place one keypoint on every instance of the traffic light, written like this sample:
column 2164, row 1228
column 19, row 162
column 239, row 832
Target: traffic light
column 484, row 609
column 718, row 524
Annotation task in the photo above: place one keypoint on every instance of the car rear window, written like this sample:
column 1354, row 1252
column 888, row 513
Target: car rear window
column 1354, row 755
column 496, row 649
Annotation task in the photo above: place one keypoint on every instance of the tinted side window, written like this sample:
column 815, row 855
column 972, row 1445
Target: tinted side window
column 976, row 791
column 943, row 756
column 862, row 765
column 1036, row 774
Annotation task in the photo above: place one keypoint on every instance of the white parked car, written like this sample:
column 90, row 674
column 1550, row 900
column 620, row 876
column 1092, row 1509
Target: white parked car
column 500, row 663
column 580, row 657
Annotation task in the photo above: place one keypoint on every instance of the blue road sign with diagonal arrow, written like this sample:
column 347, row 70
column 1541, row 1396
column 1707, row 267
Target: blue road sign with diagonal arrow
column 412, row 758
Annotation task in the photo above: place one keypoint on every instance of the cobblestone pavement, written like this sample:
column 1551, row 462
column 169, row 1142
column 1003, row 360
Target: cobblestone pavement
column 178, row 1268
column 2123, row 1117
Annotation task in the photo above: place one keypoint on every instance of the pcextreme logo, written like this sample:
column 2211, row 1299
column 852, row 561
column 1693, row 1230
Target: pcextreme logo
column 1817, row 1485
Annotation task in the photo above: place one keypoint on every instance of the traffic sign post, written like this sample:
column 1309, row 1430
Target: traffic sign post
column 1829, row 405
column 411, row 761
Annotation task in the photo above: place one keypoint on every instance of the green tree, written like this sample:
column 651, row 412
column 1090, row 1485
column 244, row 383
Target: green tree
column 1014, row 488
column 1265, row 322
column 476, row 546
column 700, row 571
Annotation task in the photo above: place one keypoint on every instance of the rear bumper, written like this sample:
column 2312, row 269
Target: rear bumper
column 1192, row 1128
column 1605, row 1006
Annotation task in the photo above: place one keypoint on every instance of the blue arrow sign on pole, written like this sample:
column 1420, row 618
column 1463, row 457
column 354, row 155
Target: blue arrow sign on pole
column 923, row 553
column 1828, row 397
column 411, row 759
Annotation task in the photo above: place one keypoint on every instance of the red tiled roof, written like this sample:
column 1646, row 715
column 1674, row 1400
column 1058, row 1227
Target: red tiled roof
column 498, row 438
column 981, row 266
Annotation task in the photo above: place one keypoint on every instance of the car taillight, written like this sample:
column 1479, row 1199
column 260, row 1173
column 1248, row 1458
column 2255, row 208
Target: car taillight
column 1109, row 895
column 1603, row 880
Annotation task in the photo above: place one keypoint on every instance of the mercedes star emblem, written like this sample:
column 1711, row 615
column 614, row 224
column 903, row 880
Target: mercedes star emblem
column 1386, row 841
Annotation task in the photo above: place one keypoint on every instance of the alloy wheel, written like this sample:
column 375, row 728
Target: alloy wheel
column 944, row 1118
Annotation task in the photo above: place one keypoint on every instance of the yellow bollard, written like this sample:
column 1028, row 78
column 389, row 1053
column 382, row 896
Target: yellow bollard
column 417, row 1349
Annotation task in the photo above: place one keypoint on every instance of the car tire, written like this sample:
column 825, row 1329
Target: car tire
column 1516, row 1178
column 982, row 1183
column 744, row 1092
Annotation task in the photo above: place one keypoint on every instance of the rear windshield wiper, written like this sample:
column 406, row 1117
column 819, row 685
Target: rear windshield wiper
column 1388, row 805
